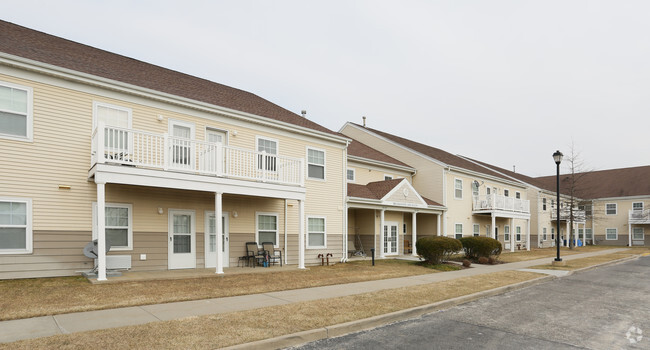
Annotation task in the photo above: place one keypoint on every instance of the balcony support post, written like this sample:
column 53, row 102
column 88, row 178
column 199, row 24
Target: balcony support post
column 629, row 232
column 493, row 227
column 218, row 222
column 101, row 230
column 301, row 234
column 414, row 234
column 381, row 233
column 512, row 236
column 528, row 234
column 101, row 156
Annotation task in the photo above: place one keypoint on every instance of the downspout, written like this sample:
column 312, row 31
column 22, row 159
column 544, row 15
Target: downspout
column 444, row 200
column 344, row 255
column 285, row 232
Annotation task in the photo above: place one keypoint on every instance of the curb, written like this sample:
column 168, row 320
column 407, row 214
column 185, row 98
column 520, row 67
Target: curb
column 379, row 320
column 613, row 262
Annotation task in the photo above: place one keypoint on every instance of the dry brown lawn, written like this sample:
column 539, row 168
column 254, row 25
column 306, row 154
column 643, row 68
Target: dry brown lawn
column 246, row 326
column 537, row 253
column 49, row 296
column 595, row 260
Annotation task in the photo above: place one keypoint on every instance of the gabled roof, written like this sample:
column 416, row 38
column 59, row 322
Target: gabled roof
column 435, row 153
column 518, row 176
column 378, row 190
column 38, row 46
column 623, row 182
column 358, row 149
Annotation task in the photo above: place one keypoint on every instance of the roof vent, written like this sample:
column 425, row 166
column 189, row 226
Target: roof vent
column 364, row 121
column 304, row 113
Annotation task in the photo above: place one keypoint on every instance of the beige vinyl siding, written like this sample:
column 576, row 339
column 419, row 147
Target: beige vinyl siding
column 398, row 196
column 363, row 174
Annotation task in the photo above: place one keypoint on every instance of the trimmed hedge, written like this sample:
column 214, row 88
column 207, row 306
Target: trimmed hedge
column 477, row 247
column 436, row 249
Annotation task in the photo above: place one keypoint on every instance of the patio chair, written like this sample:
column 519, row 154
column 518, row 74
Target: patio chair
column 274, row 255
column 251, row 253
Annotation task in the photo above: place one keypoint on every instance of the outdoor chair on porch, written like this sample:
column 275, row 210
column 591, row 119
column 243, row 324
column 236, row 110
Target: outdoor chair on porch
column 273, row 255
column 251, row 254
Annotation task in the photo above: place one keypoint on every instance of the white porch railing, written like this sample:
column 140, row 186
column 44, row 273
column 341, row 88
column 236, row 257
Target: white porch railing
column 565, row 214
column 500, row 202
column 161, row 151
column 639, row 216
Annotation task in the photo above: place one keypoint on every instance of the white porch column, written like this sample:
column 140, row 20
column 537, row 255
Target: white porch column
column 301, row 235
column 414, row 233
column 218, row 222
column 528, row 234
column 512, row 235
column 629, row 233
column 439, row 232
column 101, row 231
column 567, row 235
column 493, row 227
column 381, row 234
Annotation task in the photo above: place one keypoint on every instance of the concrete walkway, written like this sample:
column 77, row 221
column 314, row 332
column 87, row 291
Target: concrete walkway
column 91, row 320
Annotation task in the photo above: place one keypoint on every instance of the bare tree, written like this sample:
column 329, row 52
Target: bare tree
column 575, row 189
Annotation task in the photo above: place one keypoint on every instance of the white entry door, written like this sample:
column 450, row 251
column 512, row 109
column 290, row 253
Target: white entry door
column 212, row 158
column 182, row 239
column 211, row 240
column 390, row 238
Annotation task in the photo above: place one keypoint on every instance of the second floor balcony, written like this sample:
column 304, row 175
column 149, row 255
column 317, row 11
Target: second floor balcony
column 129, row 147
column 637, row 216
column 565, row 214
column 500, row 202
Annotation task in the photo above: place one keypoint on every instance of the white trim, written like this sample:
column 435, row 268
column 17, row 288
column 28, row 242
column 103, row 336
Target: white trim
column 259, row 137
column 615, row 208
column 476, row 230
column 208, row 128
column 642, row 233
column 29, row 242
column 388, row 177
column 517, row 195
column 128, row 110
column 354, row 175
column 277, row 227
column 380, row 163
column 29, row 115
column 190, row 125
column 411, row 190
column 206, row 236
column 170, row 232
column 517, row 233
column 633, row 203
column 506, row 232
column 129, row 207
column 461, row 229
column 324, row 232
column 307, row 148
column 388, row 224
column 611, row 239
column 461, row 188
column 506, row 192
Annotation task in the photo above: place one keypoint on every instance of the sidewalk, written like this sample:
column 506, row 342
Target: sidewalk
column 85, row 321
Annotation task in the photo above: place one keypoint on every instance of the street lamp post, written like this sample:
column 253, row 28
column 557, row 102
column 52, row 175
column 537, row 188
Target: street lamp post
column 557, row 156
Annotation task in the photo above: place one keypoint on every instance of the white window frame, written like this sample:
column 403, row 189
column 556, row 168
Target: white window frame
column 456, row 233
column 277, row 151
column 642, row 233
column 354, row 175
column 607, row 234
column 641, row 208
column 314, row 164
column 476, row 230
column 29, row 116
column 309, row 246
column 475, row 190
column 29, row 242
column 207, row 129
column 544, row 236
column 544, row 204
column 615, row 208
column 129, row 207
column 517, row 195
column 456, row 182
column 506, row 233
column 388, row 177
column 518, row 233
column 277, row 227
column 589, row 233
column 506, row 193
column 128, row 110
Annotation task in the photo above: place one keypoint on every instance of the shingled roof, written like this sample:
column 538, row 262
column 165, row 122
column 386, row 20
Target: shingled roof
column 379, row 189
column 623, row 182
column 38, row 46
column 436, row 153
column 358, row 149
column 521, row 177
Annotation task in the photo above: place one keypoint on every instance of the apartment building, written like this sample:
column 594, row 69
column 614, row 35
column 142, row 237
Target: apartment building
column 171, row 170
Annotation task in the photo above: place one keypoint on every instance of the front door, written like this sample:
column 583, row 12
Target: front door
column 211, row 240
column 182, row 239
column 390, row 238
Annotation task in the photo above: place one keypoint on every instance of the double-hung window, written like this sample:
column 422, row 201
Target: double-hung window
column 267, row 228
column 269, row 160
column 118, row 225
column 458, row 189
column 611, row 234
column 518, row 233
column 315, row 164
column 518, row 195
column 544, row 204
column 506, row 193
column 544, row 234
column 350, row 175
column 16, row 117
column 637, row 206
column 459, row 231
column 15, row 225
column 637, row 233
column 610, row 208
column 477, row 228
column 316, row 236
column 506, row 233
column 475, row 188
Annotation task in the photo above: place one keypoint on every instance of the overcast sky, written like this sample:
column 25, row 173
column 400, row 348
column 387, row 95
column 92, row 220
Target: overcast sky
column 505, row 82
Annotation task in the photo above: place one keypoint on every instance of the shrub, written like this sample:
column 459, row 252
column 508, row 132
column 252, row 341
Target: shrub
column 467, row 263
column 492, row 260
column 483, row 260
column 477, row 247
column 436, row 249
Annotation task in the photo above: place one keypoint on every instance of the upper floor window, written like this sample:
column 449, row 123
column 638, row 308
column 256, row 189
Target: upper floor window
column 15, row 225
column 487, row 191
column 544, row 204
column 586, row 208
column 506, row 193
column 15, row 112
column 474, row 188
column 637, row 206
column 350, row 175
column 388, row 177
column 315, row 164
column 518, row 195
column 269, row 161
column 610, row 208
column 458, row 189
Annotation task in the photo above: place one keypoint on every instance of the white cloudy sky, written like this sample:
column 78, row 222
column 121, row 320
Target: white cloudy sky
column 506, row 82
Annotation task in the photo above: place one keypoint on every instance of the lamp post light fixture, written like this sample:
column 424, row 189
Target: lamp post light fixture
column 557, row 157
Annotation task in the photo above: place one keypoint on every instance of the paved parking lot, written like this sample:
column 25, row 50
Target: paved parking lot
column 603, row 308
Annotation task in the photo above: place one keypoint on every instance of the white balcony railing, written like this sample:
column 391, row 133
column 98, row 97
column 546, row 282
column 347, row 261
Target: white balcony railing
column 500, row 202
column 565, row 214
column 161, row 151
column 639, row 216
